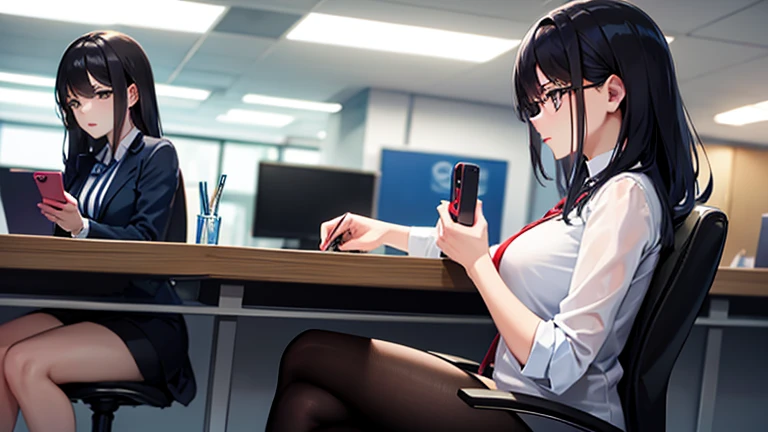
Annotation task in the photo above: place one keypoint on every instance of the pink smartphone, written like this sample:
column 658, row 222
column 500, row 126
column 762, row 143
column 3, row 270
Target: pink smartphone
column 51, row 185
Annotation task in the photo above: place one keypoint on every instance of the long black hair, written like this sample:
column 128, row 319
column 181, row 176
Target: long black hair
column 592, row 40
column 115, row 60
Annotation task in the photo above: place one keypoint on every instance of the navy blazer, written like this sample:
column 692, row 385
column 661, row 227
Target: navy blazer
column 140, row 200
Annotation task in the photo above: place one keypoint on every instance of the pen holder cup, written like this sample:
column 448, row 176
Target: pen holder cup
column 207, row 229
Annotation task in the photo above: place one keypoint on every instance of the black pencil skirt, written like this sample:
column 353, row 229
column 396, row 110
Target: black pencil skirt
column 157, row 342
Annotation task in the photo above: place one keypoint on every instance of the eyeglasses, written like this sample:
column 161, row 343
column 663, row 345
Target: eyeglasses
column 534, row 108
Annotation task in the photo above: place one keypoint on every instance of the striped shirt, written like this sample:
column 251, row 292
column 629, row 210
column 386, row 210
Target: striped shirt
column 96, row 186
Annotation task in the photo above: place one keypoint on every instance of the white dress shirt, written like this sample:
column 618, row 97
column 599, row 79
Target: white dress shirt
column 96, row 186
column 586, row 281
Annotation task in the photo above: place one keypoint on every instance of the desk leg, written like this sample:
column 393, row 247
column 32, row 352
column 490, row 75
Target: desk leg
column 222, row 359
column 718, row 310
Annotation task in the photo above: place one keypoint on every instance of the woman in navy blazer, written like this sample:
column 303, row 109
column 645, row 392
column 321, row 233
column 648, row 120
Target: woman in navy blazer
column 121, row 179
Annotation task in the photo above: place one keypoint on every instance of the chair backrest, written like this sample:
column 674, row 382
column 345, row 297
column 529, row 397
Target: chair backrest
column 177, row 226
column 677, row 291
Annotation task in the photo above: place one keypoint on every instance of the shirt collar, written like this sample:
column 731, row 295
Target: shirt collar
column 597, row 164
column 105, row 156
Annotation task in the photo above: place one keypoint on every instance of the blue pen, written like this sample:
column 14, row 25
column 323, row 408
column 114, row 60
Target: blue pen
column 201, row 194
column 206, row 208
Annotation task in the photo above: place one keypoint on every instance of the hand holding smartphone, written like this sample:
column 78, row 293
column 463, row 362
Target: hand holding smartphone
column 51, row 185
column 464, row 186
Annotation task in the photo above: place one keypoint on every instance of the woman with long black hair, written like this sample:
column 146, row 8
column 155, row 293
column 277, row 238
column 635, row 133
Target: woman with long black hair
column 121, row 179
column 595, row 81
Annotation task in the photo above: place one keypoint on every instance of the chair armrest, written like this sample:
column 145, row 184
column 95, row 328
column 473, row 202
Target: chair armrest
column 527, row 404
column 459, row 362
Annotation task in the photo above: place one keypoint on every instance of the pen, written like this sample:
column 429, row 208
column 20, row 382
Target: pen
column 206, row 208
column 201, row 197
column 216, row 200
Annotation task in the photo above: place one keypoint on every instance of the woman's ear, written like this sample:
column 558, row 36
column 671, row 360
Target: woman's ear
column 616, row 92
column 133, row 95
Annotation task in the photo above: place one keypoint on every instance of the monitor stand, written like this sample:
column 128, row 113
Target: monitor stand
column 302, row 244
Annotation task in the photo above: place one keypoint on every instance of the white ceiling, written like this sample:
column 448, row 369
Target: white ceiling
column 721, row 53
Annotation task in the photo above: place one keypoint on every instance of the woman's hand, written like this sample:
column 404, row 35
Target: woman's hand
column 67, row 216
column 463, row 244
column 362, row 233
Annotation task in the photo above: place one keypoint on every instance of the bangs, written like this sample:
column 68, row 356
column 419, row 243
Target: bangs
column 543, row 47
column 87, row 58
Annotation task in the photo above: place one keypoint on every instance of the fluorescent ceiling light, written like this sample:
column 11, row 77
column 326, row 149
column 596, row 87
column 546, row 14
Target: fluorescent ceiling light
column 744, row 115
column 292, row 103
column 257, row 118
column 163, row 90
column 27, row 97
column 322, row 134
column 31, row 80
column 181, row 92
column 669, row 39
column 183, row 16
column 399, row 38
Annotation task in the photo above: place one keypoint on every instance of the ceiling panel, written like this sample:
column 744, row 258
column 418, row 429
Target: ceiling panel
column 27, row 64
column 356, row 66
column 402, row 13
column 277, row 5
column 204, row 79
column 257, row 22
column 489, row 82
column 218, row 63
column 683, row 16
column 747, row 26
column 515, row 10
column 696, row 57
column 61, row 33
column 234, row 45
column 725, row 90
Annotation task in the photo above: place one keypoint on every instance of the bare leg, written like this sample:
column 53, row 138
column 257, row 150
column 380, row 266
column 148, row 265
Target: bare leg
column 354, row 382
column 10, row 333
column 83, row 352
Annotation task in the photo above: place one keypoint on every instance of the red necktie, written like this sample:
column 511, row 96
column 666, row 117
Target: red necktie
column 554, row 212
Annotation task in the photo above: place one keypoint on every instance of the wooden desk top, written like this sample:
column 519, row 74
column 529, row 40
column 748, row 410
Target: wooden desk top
column 276, row 265
column 231, row 263
column 741, row 282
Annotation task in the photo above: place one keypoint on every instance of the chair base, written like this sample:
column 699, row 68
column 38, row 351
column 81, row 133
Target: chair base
column 103, row 414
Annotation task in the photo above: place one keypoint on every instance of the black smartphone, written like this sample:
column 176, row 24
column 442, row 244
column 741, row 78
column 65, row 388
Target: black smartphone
column 464, row 185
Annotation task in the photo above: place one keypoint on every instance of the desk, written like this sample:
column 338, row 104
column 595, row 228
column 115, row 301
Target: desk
column 232, row 267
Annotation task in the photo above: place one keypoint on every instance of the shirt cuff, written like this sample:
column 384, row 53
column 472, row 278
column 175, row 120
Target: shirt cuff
column 83, row 232
column 422, row 242
column 537, row 366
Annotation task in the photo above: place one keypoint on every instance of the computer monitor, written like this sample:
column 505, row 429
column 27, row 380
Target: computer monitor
column 293, row 200
column 761, row 257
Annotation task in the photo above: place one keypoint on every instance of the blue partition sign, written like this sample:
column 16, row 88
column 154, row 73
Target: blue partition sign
column 413, row 183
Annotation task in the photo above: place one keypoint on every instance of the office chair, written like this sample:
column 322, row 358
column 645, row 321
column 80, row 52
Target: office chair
column 104, row 398
column 677, row 291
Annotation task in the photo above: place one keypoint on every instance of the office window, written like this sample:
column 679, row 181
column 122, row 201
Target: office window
column 199, row 161
column 31, row 146
column 240, row 163
column 301, row 156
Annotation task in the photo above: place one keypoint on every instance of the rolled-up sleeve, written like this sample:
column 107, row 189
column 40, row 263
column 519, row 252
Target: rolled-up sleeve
column 422, row 242
column 618, row 230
